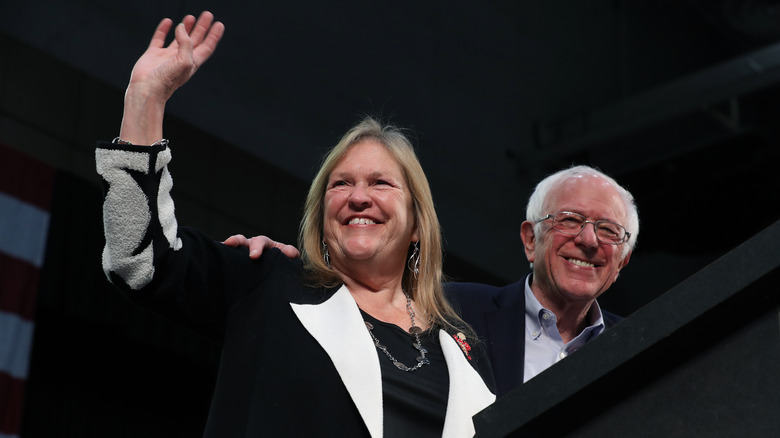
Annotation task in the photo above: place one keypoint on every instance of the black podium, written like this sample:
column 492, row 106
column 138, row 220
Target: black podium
column 702, row 360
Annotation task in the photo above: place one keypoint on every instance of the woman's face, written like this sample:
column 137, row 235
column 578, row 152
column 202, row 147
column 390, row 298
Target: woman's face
column 368, row 208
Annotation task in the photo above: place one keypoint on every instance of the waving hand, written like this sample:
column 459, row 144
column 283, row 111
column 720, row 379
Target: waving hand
column 162, row 70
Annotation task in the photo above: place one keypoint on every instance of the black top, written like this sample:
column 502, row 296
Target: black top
column 414, row 402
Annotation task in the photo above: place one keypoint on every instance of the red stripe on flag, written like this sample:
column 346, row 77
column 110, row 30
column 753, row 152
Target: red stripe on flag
column 13, row 399
column 18, row 286
column 25, row 178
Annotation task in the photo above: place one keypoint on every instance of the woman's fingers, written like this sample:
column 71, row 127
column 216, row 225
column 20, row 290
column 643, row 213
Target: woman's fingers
column 201, row 27
column 158, row 38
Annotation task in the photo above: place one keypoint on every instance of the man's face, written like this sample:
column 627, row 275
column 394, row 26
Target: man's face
column 570, row 269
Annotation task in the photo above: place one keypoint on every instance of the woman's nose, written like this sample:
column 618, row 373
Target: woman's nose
column 359, row 198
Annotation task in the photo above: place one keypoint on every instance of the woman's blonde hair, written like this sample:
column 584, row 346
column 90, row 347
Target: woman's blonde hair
column 426, row 287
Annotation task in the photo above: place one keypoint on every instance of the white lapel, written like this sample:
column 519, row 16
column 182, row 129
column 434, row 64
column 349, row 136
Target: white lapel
column 468, row 392
column 338, row 327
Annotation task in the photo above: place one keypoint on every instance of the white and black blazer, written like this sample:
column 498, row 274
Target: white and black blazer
column 296, row 360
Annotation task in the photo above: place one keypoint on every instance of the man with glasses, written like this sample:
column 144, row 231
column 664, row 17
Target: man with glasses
column 581, row 227
column 580, row 230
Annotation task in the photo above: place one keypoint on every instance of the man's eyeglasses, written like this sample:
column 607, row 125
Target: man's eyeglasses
column 570, row 223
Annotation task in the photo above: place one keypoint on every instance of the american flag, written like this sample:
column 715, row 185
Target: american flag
column 25, row 192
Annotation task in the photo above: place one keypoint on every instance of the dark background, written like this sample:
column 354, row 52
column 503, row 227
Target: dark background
column 677, row 99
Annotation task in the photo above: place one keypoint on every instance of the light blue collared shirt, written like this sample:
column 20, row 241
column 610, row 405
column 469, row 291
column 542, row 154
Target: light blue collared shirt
column 543, row 342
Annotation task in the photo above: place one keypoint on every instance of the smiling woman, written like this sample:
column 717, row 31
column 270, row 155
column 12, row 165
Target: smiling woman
column 368, row 217
column 359, row 323
column 373, row 175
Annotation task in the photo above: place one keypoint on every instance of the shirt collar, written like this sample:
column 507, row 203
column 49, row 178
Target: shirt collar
column 533, row 311
column 596, row 318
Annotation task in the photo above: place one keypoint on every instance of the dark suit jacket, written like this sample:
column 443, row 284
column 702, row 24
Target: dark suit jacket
column 497, row 314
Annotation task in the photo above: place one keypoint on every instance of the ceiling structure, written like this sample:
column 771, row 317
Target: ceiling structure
column 677, row 99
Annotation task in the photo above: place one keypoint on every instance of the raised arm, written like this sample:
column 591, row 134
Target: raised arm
column 162, row 70
column 138, row 214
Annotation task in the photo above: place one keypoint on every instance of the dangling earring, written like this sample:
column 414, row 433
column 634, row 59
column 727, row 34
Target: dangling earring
column 325, row 254
column 414, row 260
